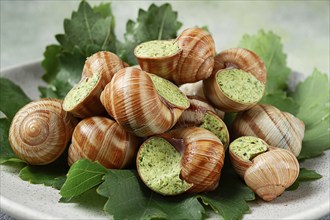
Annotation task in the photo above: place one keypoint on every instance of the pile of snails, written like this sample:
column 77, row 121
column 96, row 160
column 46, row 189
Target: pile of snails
column 123, row 116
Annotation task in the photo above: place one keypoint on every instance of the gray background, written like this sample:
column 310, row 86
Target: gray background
column 28, row 26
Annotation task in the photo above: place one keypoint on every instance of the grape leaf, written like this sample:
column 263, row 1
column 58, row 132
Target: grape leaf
column 229, row 199
column 269, row 48
column 88, row 31
column 304, row 175
column 82, row 176
column 159, row 22
column 313, row 98
column 129, row 198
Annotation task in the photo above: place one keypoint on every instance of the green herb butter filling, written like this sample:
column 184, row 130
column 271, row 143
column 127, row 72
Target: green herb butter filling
column 216, row 126
column 80, row 91
column 248, row 147
column 159, row 165
column 157, row 48
column 240, row 86
column 169, row 91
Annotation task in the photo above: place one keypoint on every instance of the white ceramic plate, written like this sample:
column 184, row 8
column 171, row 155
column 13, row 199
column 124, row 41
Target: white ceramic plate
column 21, row 199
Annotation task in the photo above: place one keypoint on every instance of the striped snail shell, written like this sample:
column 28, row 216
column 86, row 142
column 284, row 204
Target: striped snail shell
column 40, row 131
column 197, row 58
column 189, row 58
column 103, row 140
column 267, row 172
column 133, row 100
column 185, row 160
column 237, row 82
column 83, row 100
column 277, row 128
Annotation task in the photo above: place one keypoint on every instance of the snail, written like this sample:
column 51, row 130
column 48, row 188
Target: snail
column 201, row 114
column 267, row 170
column 143, row 103
column 193, row 89
column 102, row 139
column 187, row 59
column 277, row 128
column 238, row 80
column 40, row 131
column 83, row 100
column 185, row 160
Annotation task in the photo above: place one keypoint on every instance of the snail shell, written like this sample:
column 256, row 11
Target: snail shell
column 192, row 61
column 83, row 100
column 197, row 58
column 277, row 128
column 40, row 131
column 236, row 58
column 133, row 101
column 202, row 157
column 103, row 62
column 103, row 140
column 269, row 173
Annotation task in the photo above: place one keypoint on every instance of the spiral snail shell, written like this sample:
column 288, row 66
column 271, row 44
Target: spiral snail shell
column 40, row 131
column 185, row 160
column 143, row 103
column 277, row 128
column 189, row 58
column 237, row 82
column 103, row 140
column 267, row 170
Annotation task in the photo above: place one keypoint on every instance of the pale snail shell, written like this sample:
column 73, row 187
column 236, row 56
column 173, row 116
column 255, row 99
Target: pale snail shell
column 40, row 131
column 235, row 58
column 103, row 140
column 132, row 100
column 192, row 62
column 100, row 67
column 269, row 173
column 277, row 128
column 202, row 158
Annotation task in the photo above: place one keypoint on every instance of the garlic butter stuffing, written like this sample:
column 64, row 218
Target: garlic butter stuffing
column 139, row 115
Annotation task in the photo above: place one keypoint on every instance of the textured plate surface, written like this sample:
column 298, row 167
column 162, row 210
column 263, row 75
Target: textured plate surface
column 21, row 199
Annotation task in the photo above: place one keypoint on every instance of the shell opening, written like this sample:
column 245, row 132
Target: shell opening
column 159, row 166
column 248, row 147
column 157, row 48
column 240, row 86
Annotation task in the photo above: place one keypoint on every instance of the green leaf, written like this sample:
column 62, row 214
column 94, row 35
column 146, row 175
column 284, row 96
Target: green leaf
column 159, row 22
column 129, row 198
column 89, row 29
column 280, row 100
column 229, row 199
column 6, row 152
column 269, row 48
column 12, row 98
column 69, row 71
column 313, row 97
column 82, row 176
column 304, row 175
column 53, row 174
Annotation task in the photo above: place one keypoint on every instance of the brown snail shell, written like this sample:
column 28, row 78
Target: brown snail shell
column 104, row 62
column 133, row 101
column 40, row 131
column 103, row 140
column 193, row 61
column 202, row 157
column 277, row 128
column 235, row 58
column 269, row 173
